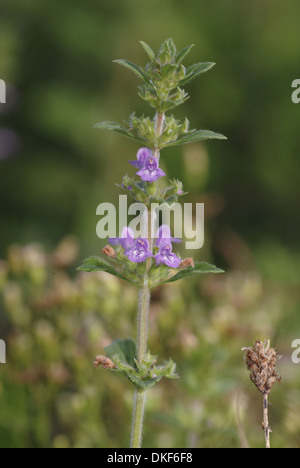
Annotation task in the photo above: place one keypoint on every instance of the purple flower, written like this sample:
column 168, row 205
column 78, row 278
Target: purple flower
column 140, row 251
column 164, row 236
column 151, row 172
column 126, row 241
column 142, row 155
column 167, row 257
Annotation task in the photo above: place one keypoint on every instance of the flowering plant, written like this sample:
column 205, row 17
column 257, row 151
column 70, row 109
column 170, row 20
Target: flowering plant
column 150, row 261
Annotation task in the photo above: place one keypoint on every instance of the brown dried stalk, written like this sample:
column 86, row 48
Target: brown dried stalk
column 261, row 362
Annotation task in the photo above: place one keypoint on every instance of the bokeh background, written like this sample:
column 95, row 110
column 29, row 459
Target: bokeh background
column 56, row 58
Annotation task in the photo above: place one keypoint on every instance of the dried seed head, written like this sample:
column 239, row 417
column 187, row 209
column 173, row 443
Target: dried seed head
column 261, row 361
column 109, row 252
column 188, row 262
column 105, row 362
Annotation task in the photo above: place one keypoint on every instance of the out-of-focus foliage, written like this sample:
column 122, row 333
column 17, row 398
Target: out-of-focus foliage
column 57, row 61
column 54, row 326
column 56, row 58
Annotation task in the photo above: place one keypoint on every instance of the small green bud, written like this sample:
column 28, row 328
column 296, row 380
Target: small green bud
column 170, row 191
column 185, row 126
column 127, row 182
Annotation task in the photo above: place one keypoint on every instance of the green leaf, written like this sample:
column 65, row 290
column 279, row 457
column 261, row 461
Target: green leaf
column 167, row 69
column 199, row 269
column 195, row 70
column 183, row 53
column 197, row 135
column 168, row 105
column 168, row 48
column 149, row 51
column 134, row 69
column 92, row 264
column 171, row 46
column 144, row 374
column 145, row 384
column 115, row 127
column 124, row 349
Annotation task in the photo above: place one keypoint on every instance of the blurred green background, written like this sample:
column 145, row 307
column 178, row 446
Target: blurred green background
column 56, row 58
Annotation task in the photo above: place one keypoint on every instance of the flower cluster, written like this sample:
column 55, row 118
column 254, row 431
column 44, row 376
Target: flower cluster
column 138, row 250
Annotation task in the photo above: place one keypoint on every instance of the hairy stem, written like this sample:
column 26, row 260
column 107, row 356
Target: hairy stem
column 159, row 126
column 143, row 320
column 140, row 394
column 142, row 338
column 138, row 417
column 266, row 426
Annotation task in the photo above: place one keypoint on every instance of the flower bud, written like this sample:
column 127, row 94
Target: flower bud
column 104, row 362
column 127, row 182
column 109, row 252
column 187, row 262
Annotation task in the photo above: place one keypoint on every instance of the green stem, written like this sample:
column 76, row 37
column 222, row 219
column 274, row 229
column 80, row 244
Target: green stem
column 138, row 417
column 140, row 394
column 143, row 320
column 160, row 117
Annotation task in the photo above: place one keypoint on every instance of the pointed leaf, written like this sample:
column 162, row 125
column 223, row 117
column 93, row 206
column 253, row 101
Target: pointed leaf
column 114, row 126
column 183, row 53
column 200, row 67
column 124, row 349
column 168, row 47
column 171, row 46
column 133, row 68
column 199, row 269
column 148, row 51
column 197, row 135
column 195, row 70
column 168, row 105
column 92, row 264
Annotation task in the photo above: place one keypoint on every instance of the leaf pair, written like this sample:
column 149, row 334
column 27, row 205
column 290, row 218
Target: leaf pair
column 143, row 375
column 191, row 72
column 92, row 264
column 169, row 44
column 190, row 137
